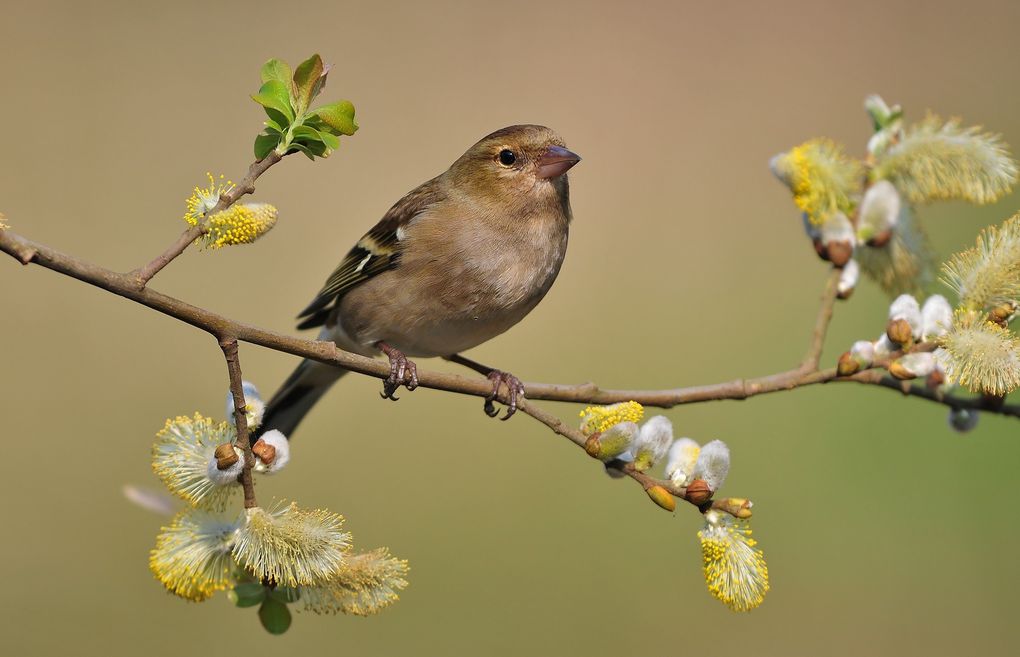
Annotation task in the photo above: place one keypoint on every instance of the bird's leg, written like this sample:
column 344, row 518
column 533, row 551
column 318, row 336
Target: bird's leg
column 403, row 372
column 514, row 386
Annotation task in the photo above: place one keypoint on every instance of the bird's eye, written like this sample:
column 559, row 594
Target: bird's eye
column 507, row 157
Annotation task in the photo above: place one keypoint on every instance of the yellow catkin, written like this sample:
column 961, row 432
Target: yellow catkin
column 821, row 177
column 192, row 555
column 203, row 199
column 240, row 224
column 735, row 568
column 293, row 546
column 596, row 419
column 367, row 584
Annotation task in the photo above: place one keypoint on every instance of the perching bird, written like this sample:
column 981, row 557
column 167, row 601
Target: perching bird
column 457, row 261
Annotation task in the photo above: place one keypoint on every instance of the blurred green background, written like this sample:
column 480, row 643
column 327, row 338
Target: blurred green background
column 886, row 533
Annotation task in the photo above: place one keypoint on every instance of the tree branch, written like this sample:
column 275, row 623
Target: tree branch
column 28, row 252
column 229, row 347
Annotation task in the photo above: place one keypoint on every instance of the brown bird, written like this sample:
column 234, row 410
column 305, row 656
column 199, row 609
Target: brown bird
column 457, row 261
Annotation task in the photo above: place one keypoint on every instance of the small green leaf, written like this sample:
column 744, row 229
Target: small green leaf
column 274, row 125
column 338, row 116
column 310, row 149
column 305, row 133
column 306, row 76
column 248, row 594
column 275, row 616
column 277, row 70
column 274, row 95
column 264, row 144
column 332, row 141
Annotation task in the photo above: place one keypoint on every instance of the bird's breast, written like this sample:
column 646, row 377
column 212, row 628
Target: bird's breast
column 455, row 289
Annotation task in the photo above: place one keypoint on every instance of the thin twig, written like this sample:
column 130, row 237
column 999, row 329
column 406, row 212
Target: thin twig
column 814, row 354
column 229, row 347
column 143, row 275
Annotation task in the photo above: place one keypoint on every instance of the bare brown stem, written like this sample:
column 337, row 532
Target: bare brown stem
column 825, row 310
column 229, row 347
column 143, row 275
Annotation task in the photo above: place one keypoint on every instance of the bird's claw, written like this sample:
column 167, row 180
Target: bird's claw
column 514, row 387
column 403, row 372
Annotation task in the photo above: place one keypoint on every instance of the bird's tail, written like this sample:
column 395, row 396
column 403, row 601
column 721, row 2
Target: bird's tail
column 297, row 395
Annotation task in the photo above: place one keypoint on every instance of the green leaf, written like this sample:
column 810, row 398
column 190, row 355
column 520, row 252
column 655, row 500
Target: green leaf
column 338, row 116
column 311, row 149
column 306, row 77
column 273, row 95
column 332, row 141
column 305, row 133
column 264, row 144
column 277, row 70
column 248, row 594
column 275, row 616
column 274, row 126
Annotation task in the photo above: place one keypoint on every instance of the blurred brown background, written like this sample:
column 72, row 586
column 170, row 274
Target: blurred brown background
column 886, row 533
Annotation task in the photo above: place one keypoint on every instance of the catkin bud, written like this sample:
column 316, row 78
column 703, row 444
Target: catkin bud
column 912, row 366
column 860, row 357
column 936, row 317
column 883, row 347
column 612, row 442
column 226, row 465
column 662, row 497
column 652, row 442
column 878, row 214
column 899, row 331
column 847, row 364
column 698, row 492
column 272, row 452
column 735, row 506
column 713, row 464
column 848, row 280
column 683, row 455
column 837, row 234
column 906, row 308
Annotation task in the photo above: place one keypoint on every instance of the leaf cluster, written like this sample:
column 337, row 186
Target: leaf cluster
column 292, row 124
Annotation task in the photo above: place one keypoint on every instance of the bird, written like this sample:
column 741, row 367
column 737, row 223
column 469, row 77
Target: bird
column 454, row 263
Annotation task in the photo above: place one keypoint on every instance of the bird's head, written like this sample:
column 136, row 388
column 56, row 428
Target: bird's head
column 521, row 164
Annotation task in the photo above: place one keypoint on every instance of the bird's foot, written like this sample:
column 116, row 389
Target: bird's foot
column 403, row 372
column 514, row 388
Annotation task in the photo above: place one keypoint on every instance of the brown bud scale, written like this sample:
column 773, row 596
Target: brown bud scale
column 847, row 364
column 263, row 450
column 698, row 492
column 899, row 331
column 225, row 456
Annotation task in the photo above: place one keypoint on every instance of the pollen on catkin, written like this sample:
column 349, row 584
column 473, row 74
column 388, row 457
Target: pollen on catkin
column 596, row 419
column 981, row 355
column 821, row 177
column 293, row 546
column 181, row 456
column 368, row 583
column 204, row 199
column 734, row 567
column 242, row 223
column 192, row 555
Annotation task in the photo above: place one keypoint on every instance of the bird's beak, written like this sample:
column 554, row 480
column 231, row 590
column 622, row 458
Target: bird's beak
column 555, row 161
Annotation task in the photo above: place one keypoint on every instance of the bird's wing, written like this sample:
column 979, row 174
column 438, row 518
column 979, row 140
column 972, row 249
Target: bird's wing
column 374, row 253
